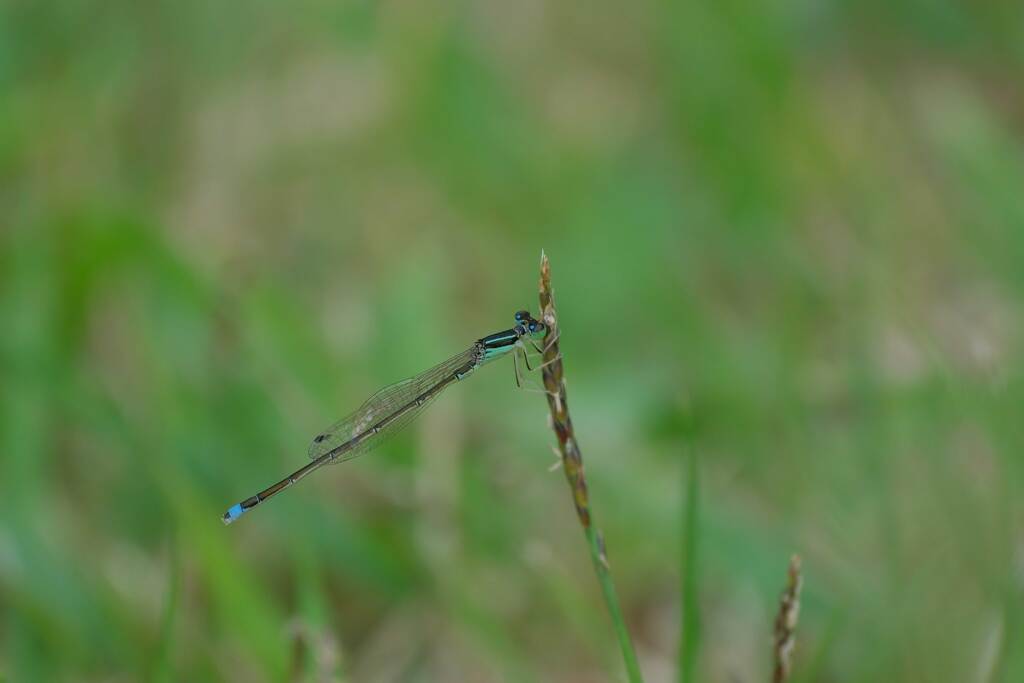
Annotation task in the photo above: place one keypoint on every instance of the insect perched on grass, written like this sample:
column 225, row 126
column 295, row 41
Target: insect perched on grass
column 392, row 408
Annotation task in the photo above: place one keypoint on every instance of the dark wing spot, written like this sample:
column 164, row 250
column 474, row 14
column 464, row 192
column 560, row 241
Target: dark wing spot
column 319, row 438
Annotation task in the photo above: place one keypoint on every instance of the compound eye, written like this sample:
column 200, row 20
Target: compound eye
column 522, row 315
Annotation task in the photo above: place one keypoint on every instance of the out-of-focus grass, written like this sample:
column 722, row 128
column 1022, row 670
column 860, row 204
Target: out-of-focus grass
column 788, row 237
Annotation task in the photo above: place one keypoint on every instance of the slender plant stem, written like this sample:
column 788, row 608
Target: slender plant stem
column 572, row 463
column 785, row 622
column 689, row 633
column 162, row 664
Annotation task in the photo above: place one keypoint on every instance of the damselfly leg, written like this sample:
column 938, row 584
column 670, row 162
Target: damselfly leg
column 533, row 386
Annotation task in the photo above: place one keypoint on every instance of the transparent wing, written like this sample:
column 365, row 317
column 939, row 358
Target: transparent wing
column 408, row 397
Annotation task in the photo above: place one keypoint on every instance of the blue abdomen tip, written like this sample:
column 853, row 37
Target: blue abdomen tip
column 233, row 513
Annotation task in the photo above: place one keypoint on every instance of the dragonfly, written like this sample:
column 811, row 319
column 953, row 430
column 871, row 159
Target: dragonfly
column 392, row 408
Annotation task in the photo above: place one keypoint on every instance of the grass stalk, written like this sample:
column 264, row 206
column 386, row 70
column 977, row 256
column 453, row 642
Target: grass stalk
column 785, row 622
column 689, row 632
column 572, row 463
column 161, row 665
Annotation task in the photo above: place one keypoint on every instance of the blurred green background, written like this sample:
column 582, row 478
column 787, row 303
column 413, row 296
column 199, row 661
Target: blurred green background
column 787, row 237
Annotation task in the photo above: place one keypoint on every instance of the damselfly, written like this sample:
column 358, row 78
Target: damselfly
column 394, row 407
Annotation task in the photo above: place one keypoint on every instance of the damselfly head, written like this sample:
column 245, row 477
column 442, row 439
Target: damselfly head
column 529, row 325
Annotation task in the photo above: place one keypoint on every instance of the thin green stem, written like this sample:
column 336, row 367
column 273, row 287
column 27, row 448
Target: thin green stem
column 597, row 555
column 689, row 633
column 161, row 666
column 572, row 463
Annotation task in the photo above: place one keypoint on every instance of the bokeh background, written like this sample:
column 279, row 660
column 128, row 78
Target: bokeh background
column 786, row 238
